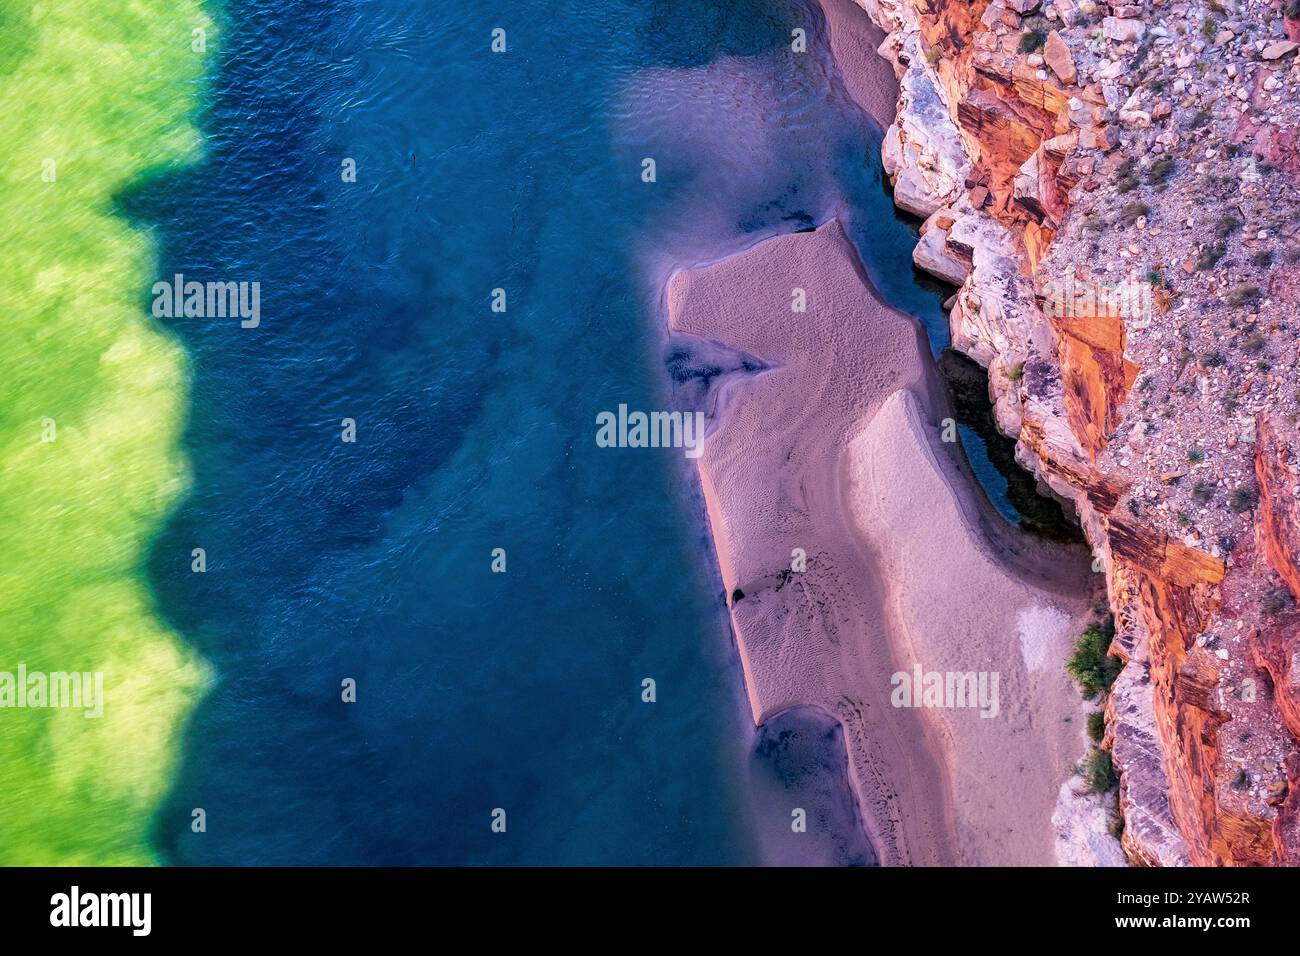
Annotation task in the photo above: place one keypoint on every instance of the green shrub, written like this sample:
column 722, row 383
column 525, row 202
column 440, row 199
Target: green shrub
column 1096, row 725
column 1032, row 41
column 1091, row 666
column 1161, row 170
column 1099, row 771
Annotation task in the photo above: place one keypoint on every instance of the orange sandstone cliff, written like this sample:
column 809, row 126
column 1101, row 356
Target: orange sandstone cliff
column 1114, row 189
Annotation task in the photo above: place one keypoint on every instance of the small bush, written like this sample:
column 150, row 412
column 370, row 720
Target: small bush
column 1213, row 359
column 1161, row 170
column 1195, row 455
column 1091, row 666
column 1262, row 259
column 1096, row 725
column 1243, row 295
column 1276, row 601
column 1132, row 212
column 1203, row 492
column 1099, row 771
column 1031, row 41
column 1201, row 117
column 1210, row 256
column 1243, row 498
column 1226, row 226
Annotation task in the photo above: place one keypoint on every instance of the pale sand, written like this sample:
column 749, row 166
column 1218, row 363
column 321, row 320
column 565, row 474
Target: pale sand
column 831, row 450
column 868, row 78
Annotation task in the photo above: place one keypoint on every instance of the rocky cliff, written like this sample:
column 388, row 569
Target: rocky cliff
column 1114, row 189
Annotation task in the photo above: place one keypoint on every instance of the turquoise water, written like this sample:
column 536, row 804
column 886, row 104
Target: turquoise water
column 369, row 563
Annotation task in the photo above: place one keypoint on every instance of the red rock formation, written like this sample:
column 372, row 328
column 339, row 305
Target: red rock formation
column 1207, row 793
column 1276, row 644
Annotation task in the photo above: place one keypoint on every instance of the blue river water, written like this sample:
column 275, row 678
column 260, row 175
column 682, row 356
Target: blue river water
column 372, row 560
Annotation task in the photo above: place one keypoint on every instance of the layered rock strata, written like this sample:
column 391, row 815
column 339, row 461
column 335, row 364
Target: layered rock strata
column 1114, row 189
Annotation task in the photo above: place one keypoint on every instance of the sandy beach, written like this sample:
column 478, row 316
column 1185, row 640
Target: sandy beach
column 853, row 547
column 868, row 77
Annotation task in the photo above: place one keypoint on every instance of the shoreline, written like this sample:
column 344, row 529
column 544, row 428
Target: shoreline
column 785, row 468
column 1044, row 167
column 918, row 775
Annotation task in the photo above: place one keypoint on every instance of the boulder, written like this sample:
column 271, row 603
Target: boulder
column 1057, row 56
column 1279, row 49
column 1123, row 31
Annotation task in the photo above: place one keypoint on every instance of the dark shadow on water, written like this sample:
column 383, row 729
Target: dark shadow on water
column 968, row 390
column 800, row 774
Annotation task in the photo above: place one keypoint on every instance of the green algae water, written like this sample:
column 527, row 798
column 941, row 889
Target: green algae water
column 94, row 94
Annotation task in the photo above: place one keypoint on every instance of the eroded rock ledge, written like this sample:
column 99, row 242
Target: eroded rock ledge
column 1114, row 188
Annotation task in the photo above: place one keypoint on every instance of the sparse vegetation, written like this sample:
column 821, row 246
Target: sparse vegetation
column 1126, row 176
column 1226, row 226
column 1091, row 665
column 1195, row 455
column 1099, row 771
column 1203, row 492
column 1210, row 256
column 1132, row 212
column 1243, row 498
column 1096, row 725
column 1031, row 41
column 1276, row 601
column 1160, row 171
column 1243, row 295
